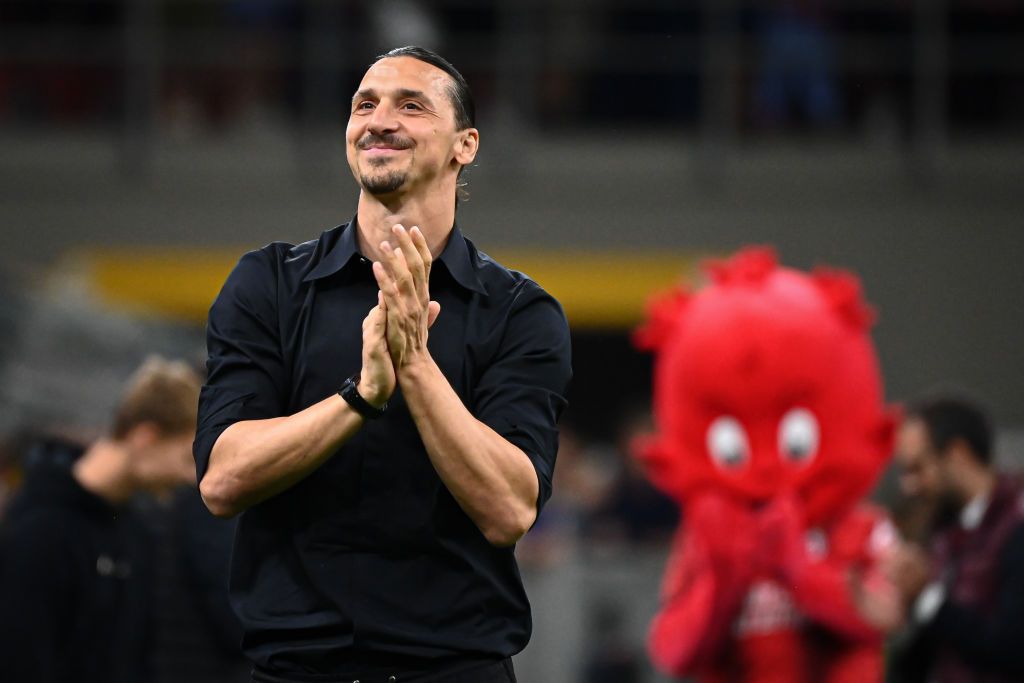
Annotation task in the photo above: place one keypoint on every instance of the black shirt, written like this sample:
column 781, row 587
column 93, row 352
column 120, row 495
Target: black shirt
column 74, row 581
column 370, row 558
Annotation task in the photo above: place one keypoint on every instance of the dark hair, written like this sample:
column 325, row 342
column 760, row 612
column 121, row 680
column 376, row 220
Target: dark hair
column 949, row 417
column 458, row 92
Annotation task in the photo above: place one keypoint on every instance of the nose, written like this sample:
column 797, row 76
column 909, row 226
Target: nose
column 383, row 119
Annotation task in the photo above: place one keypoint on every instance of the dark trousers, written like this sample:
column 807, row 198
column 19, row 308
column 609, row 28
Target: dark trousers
column 491, row 672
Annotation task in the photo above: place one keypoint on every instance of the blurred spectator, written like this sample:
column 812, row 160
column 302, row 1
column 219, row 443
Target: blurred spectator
column 196, row 634
column 10, row 470
column 403, row 22
column 580, row 482
column 75, row 561
column 68, row 85
column 966, row 595
column 797, row 66
column 611, row 656
column 633, row 511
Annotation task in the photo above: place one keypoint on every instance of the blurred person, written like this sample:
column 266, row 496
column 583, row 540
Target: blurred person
column 383, row 473
column 579, row 486
column 797, row 65
column 611, row 655
column 631, row 510
column 196, row 635
column 966, row 592
column 75, row 561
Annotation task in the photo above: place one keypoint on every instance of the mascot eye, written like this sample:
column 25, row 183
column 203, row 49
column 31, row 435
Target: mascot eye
column 798, row 436
column 727, row 443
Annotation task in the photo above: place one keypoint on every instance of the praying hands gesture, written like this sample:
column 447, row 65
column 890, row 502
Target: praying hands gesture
column 490, row 478
column 403, row 275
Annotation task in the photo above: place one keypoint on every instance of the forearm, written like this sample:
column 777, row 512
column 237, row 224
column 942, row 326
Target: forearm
column 255, row 460
column 492, row 480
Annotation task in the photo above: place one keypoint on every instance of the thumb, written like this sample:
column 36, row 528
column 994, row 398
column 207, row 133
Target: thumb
column 433, row 310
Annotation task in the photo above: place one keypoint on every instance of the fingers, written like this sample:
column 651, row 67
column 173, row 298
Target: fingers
column 433, row 310
column 389, row 292
column 374, row 323
column 397, row 268
column 413, row 259
column 410, row 255
column 420, row 244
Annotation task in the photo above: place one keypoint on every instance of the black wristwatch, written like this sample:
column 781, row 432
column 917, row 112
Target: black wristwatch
column 350, row 392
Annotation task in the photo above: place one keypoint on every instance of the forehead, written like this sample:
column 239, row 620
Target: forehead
column 913, row 439
column 394, row 73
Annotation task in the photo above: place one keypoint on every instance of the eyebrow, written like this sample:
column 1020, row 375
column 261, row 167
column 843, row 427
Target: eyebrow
column 402, row 93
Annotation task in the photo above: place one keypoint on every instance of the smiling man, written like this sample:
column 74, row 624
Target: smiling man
column 381, row 409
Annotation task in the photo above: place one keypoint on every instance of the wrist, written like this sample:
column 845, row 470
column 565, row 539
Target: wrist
column 371, row 392
column 417, row 367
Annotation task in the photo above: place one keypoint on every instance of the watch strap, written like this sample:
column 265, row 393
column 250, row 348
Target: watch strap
column 350, row 392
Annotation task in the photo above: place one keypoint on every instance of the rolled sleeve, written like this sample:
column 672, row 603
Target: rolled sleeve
column 522, row 394
column 246, row 374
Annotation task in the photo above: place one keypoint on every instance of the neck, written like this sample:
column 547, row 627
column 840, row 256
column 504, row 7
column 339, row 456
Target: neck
column 105, row 470
column 434, row 215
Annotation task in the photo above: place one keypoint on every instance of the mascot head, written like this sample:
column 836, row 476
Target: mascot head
column 766, row 383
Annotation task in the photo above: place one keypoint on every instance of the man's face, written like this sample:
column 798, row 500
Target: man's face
column 920, row 475
column 401, row 130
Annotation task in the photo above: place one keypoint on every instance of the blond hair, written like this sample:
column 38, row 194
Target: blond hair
column 162, row 392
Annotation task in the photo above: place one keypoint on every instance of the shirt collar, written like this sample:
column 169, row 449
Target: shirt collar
column 337, row 255
column 974, row 512
column 456, row 256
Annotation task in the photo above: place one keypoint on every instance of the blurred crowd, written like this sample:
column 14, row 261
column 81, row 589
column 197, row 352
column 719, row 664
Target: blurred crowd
column 223, row 65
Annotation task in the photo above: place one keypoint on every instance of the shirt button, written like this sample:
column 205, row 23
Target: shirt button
column 392, row 679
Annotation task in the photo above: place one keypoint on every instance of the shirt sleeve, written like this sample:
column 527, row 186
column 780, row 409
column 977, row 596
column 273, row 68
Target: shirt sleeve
column 991, row 642
column 246, row 373
column 521, row 394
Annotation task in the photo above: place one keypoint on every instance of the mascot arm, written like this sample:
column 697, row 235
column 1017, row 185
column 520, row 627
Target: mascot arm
column 847, row 590
column 833, row 595
column 706, row 581
column 701, row 604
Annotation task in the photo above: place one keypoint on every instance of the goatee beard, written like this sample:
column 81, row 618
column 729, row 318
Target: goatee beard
column 383, row 184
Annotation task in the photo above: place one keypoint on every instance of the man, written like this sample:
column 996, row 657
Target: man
column 75, row 563
column 966, row 597
column 378, row 521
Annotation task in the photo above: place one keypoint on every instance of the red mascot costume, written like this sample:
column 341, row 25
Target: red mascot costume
column 772, row 429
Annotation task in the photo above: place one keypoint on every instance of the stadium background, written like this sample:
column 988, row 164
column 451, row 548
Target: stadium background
column 145, row 144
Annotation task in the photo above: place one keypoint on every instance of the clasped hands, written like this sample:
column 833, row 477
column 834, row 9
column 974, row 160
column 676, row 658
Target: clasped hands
column 395, row 330
column 768, row 542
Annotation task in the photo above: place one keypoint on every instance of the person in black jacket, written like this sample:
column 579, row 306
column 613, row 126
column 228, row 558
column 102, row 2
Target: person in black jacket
column 74, row 559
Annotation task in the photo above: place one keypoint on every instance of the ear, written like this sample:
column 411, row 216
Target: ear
column 466, row 146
